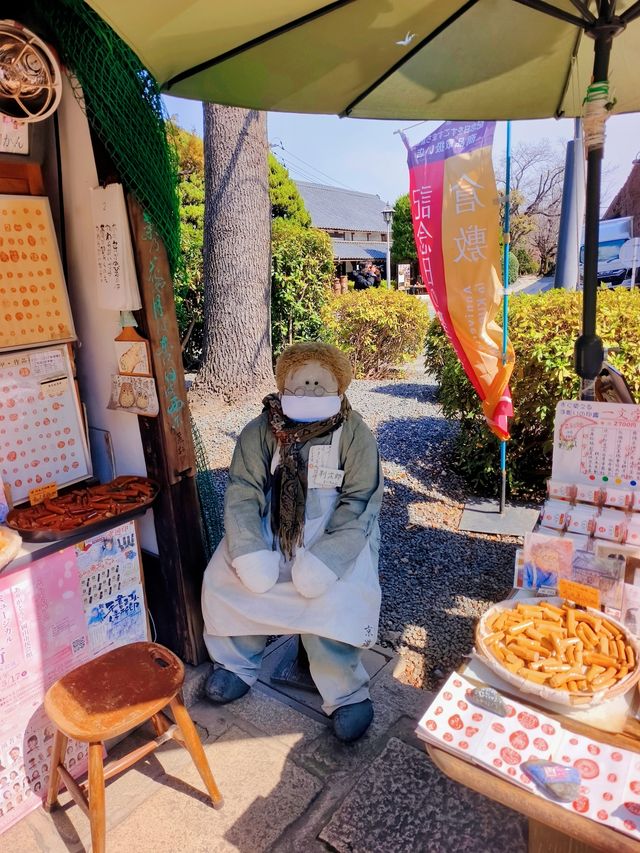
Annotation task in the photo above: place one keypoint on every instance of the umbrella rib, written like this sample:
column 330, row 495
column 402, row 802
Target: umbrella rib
column 554, row 12
column 631, row 13
column 587, row 13
column 418, row 47
column 261, row 39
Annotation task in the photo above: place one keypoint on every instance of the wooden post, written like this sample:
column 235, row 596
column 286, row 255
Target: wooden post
column 173, row 586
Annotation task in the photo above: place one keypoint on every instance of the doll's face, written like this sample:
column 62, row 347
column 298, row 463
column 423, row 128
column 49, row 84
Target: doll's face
column 311, row 379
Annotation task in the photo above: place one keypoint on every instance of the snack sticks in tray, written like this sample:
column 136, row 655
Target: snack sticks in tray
column 560, row 647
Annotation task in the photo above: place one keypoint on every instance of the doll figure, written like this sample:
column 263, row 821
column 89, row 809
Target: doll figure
column 300, row 553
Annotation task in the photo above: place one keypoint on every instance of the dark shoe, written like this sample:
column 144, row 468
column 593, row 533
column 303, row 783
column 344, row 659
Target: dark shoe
column 223, row 686
column 351, row 721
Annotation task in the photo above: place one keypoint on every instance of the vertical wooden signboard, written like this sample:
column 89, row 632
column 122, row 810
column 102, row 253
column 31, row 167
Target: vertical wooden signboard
column 174, row 591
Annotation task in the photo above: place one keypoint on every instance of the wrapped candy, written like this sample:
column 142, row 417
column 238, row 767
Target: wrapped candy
column 558, row 781
column 489, row 699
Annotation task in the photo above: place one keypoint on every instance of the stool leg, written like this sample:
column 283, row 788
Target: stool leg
column 57, row 757
column 193, row 745
column 96, row 799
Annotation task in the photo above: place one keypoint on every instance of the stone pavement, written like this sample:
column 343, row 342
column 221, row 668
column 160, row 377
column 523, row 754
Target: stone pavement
column 289, row 787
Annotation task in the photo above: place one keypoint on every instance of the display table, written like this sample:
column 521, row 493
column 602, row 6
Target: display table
column 552, row 828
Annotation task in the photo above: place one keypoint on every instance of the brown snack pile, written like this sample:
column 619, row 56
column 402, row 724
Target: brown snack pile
column 561, row 647
column 83, row 506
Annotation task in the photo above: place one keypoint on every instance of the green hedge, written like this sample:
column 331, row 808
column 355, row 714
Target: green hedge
column 301, row 276
column 542, row 329
column 380, row 329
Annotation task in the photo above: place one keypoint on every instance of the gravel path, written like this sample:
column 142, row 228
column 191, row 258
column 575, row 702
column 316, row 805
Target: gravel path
column 435, row 580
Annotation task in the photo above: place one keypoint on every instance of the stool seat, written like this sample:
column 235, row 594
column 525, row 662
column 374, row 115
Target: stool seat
column 114, row 693
column 107, row 697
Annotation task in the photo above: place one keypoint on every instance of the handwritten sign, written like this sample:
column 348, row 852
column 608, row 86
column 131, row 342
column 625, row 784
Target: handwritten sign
column 115, row 267
column 166, row 354
column 42, row 493
column 597, row 444
column 587, row 596
column 14, row 136
column 320, row 474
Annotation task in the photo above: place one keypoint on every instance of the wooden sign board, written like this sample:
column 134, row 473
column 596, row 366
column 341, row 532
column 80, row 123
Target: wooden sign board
column 161, row 329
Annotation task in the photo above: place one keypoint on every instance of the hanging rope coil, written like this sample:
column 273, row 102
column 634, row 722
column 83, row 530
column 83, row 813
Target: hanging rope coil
column 596, row 108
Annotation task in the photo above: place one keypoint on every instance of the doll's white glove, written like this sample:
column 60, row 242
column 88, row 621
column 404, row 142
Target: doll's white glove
column 310, row 576
column 259, row 570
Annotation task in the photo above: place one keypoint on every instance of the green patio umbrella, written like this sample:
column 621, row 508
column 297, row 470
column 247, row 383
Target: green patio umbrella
column 404, row 59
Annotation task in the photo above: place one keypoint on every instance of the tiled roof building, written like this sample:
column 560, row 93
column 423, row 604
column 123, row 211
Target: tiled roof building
column 353, row 220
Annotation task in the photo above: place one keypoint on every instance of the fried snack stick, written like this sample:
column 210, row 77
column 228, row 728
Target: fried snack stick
column 565, row 649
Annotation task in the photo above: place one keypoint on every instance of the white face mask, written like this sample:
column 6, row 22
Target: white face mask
column 309, row 409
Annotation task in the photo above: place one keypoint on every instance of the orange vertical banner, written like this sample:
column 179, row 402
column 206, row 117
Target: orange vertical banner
column 454, row 203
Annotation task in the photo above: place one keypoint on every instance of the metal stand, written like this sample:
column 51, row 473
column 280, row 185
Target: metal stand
column 589, row 351
column 505, row 308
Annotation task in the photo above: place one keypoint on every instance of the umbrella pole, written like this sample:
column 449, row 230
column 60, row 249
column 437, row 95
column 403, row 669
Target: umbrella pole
column 589, row 351
column 505, row 304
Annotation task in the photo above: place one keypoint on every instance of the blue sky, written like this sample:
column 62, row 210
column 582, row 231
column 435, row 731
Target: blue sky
column 366, row 155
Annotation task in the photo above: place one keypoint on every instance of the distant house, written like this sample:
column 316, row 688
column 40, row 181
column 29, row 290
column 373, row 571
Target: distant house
column 353, row 220
column 627, row 201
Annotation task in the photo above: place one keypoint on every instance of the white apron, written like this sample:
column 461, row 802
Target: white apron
column 348, row 612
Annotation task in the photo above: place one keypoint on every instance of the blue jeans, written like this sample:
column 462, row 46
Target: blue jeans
column 336, row 668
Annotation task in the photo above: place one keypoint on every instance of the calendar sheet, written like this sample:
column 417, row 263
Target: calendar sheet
column 34, row 305
column 47, row 627
column 42, row 437
column 109, row 567
column 597, row 444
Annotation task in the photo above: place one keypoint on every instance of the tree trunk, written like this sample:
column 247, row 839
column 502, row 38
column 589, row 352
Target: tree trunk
column 236, row 358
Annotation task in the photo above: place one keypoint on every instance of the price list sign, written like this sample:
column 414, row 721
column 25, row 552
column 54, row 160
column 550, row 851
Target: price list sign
column 34, row 305
column 42, row 439
column 597, row 444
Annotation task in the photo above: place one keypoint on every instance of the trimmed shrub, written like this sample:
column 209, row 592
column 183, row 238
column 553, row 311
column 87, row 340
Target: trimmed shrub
column 543, row 329
column 380, row 329
column 514, row 267
column 301, row 276
column 526, row 263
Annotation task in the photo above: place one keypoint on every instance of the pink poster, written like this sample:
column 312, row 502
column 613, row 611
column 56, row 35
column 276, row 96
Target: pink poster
column 43, row 634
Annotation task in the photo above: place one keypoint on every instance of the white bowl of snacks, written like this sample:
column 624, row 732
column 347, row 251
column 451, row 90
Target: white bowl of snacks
column 558, row 652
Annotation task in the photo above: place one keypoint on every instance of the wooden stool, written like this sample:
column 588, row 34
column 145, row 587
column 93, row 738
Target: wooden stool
column 106, row 698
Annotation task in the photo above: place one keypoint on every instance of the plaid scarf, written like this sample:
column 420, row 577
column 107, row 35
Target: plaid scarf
column 289, row 486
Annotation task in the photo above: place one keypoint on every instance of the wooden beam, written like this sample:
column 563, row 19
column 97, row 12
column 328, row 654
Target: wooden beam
column 158, row 309
column 174, row 580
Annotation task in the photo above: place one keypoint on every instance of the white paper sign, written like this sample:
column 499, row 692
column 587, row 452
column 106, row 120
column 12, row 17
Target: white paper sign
column 320, row 474
column 116, row 271
column 597, row 444
column 14, row 136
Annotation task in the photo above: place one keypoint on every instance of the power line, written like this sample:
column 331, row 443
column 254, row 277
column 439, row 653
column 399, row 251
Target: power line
column 297, row 170
column 279, row 145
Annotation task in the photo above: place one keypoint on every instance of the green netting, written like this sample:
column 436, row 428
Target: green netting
column 208, row 493
column 123, row 105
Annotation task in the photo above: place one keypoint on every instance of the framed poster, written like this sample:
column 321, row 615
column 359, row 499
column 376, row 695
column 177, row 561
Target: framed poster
column 34, row 305
column 42, row 438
